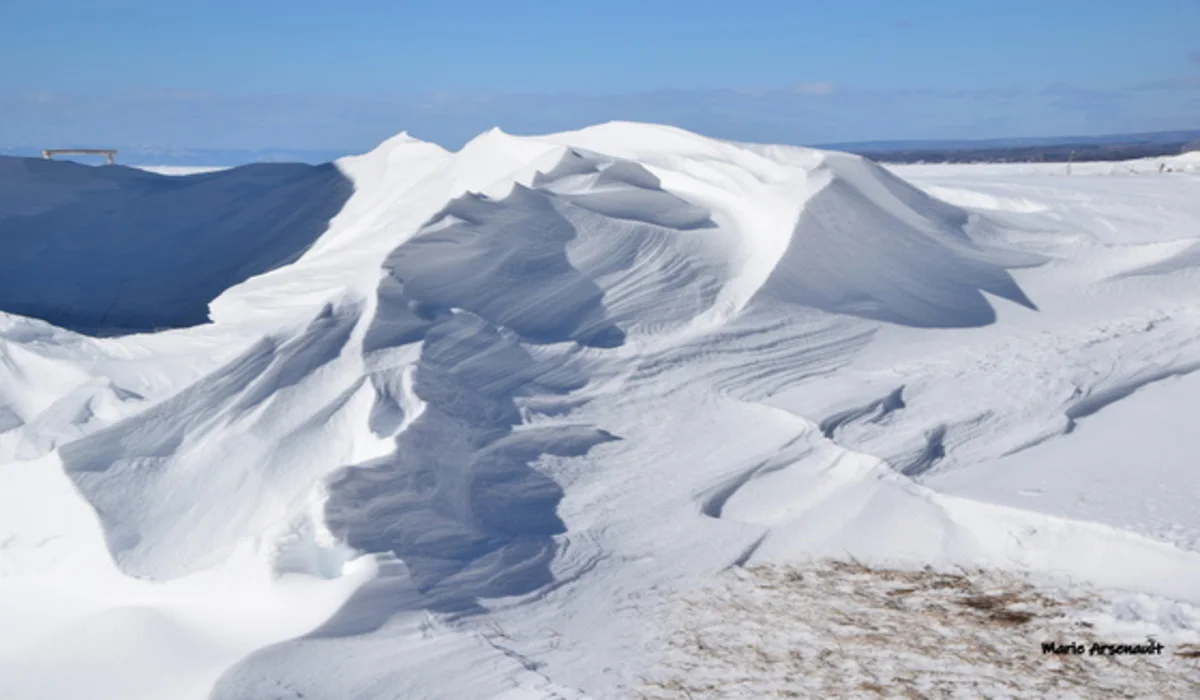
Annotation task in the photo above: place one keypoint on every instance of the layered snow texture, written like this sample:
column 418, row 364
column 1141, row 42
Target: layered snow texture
column 457, row 500
column 520, row 385
column 478, row 279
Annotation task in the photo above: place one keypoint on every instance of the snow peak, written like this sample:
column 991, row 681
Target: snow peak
column 1098, row 649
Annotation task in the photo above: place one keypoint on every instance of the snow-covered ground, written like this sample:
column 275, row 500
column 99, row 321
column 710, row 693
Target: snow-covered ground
column 181, row 169
column 452, row 433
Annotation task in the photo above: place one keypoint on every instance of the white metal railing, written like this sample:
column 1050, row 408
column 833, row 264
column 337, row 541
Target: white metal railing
column 109, row 153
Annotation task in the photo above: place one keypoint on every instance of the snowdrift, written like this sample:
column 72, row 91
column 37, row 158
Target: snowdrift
column 593, row 249
column 524, row 383
column 871, row 245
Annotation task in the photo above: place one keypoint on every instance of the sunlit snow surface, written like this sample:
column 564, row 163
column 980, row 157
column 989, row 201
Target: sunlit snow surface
column 442, row 446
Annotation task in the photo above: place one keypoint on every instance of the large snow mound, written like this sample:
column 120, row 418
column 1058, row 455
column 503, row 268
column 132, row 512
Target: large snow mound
column 592, row 250
column 418, row 396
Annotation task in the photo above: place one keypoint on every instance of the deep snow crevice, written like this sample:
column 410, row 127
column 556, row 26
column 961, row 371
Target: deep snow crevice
column 873, row 412
column 506, row 261
column 620, row 190
column 928, row 457
column 457, row 500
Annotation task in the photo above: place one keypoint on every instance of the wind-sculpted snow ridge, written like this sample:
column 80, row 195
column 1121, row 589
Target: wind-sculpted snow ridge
column 511, row 390
column 870, row 245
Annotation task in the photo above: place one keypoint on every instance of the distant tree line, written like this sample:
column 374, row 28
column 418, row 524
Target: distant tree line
column 1059, row 153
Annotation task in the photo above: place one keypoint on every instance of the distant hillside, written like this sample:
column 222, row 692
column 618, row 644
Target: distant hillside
column 1049, row 150
column 1157, row 137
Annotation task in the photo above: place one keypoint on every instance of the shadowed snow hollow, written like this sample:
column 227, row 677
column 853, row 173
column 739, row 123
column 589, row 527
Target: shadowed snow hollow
column 116, row 250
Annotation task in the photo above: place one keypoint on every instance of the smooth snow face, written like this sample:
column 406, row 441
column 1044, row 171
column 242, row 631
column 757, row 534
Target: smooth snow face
column 870, row 245
column 1087, row 474
column 520, row 386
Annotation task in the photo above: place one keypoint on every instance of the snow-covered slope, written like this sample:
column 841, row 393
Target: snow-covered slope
column 437, row 436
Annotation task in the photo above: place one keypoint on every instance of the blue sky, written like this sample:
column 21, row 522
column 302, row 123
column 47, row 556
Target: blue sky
column 326, row 75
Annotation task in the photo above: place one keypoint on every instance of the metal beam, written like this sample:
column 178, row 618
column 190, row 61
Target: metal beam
column 111, row 154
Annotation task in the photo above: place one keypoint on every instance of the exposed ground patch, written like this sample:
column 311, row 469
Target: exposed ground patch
column 843, row 629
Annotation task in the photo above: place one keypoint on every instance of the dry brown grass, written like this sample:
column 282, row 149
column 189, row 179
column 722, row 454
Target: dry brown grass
column 847, row 630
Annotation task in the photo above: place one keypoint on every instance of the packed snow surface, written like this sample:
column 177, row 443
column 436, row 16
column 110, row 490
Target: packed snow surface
column 430, row 424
